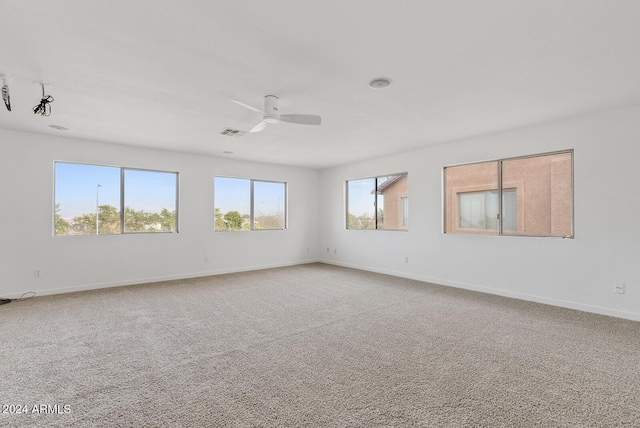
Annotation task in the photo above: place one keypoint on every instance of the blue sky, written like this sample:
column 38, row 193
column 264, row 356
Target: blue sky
column 268, row 198
column 77, row 188
column 234, row 194
column 361, row 200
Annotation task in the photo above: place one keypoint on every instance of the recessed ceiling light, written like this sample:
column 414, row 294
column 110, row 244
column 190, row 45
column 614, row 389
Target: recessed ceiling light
column 58, row 127
column 379, row 83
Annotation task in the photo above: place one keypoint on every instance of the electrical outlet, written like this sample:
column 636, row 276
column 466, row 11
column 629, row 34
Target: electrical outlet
column 327, row 249
column 618, row 287
column 406, row 259
column 335, row 251
column 37, row 273
column 206, row 259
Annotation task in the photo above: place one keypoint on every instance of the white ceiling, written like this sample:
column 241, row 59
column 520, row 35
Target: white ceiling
column 160, row 73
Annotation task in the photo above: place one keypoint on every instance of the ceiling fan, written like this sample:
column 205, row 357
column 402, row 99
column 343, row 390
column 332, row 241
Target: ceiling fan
column 271, row 114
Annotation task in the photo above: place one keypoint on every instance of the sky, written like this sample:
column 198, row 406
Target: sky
column 234, row 194
column 79, row 187
column 77, row 191
column 361, row 200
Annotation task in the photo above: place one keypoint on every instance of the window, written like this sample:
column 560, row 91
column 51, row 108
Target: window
column 149, row 201
column 404, row 201
column 232, row 204
column 378, row 203
column 479, row 210
column 527, row 196
column 103, row 200
column 243, row 204
column 268, row 205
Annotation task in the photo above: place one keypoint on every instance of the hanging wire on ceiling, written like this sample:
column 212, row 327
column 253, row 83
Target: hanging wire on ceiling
column 44, row 108
column 5, row 94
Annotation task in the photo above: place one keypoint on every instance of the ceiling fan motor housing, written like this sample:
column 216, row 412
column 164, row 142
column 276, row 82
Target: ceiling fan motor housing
column 272, row 114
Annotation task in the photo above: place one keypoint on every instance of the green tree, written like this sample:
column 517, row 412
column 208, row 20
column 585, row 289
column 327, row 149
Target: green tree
column 363, row 221
column 109, row 219
column 352, row 221
column 61, row 225
column 219, row 220
column 135, row 221
column 84, row 225
column 233, row 220
column 167, row 220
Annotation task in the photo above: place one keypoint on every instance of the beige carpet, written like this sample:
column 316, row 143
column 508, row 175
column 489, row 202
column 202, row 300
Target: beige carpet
column 313, row 345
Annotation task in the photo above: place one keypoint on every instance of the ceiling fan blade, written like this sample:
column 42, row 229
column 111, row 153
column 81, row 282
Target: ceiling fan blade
column 259, row 127
column 302, row 119
column 247, row 106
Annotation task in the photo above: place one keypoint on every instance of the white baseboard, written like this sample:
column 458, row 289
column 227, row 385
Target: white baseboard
column 96, row 286
column 633, row 316
column 440, row 281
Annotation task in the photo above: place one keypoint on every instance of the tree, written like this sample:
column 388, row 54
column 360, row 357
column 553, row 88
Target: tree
column 273, row 221
column 363, row 221
column 109, row 222
column 84, row 225
column 168, row 220
column 219, row 220
column 135, row 221
column 61, row 225
column 109, row 219
column 233, row 220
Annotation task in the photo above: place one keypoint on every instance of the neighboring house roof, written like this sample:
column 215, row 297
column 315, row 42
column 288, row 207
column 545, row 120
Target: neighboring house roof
column 382, row 187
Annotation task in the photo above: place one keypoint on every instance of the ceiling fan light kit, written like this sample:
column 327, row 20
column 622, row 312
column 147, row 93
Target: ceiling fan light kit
column 271, row 115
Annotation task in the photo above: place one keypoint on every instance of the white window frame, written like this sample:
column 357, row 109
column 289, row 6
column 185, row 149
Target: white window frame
column 500, row 186
column 252, row 182
column 376, row 220
column 122, row 197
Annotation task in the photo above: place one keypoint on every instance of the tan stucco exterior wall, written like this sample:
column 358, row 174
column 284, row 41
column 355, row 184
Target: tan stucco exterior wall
column 393, row 203
column 543, row 186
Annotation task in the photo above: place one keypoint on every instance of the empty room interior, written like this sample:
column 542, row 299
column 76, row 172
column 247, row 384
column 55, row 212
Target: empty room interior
column 292, row 213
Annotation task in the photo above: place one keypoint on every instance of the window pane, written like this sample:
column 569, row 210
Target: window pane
column 232, row 204
column 470, row 198
column 361, row 204
column 545, row 189
column 390, row 191
column 479, row 210
column 472, row 213
column 509, row 210
column 268, row 205
column 491, row 210
column 87, row 199
column 150, row 201
column 405, row 212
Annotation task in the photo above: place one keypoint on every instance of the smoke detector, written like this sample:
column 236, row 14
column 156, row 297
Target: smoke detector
column 380, row 83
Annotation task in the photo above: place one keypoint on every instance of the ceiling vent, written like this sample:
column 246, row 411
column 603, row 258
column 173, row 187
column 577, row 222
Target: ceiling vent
column 232, row 132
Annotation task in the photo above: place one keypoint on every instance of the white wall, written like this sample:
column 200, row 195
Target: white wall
column 576, row 273
column 71, row 263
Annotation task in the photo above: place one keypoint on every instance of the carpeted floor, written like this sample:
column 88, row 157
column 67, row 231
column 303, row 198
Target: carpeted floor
column 312, row 345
